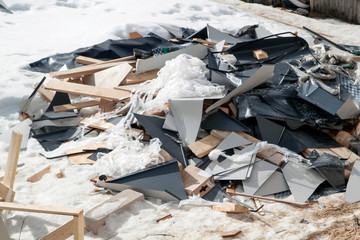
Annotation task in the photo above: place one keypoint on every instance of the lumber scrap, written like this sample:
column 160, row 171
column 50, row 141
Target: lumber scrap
column 77, row 106
column 106, row 105
column 164, row 218
column 38, row 176
column 86, row 90
column 95, row 217
column 230, row 234
column 272, row 155
column 13, row 158
column 61, row 233
column 87, row 60
column 204, row 146
column 100, row 124
column 59, row 173
column 270, row 199
column 260, row 54
column 46, row 94
column 4, row 192
column 88, row 69
column 80, row 155
column 230, row 208
column 134, row 35
column 196, row 181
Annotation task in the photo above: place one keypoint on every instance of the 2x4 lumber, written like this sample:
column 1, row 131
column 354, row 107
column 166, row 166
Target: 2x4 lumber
column 79, row 225
column 4, row 190
column 204, row 146
column 86, row 90
column 47, row 95
column 231, row 208
column 270, row 199
column 77, row 106
column 87, row 60
column 38, row 176
column 66, row 211
column 61, row 233
column 85, row 70
column 12, row 161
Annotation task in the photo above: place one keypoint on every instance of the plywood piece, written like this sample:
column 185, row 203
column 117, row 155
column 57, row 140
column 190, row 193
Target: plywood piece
column 204, row 146
column 196, row 181
column 230, row 234
column 112, row 77
column 87, row 60
column 61, row 233
column 86, row 90
column 136, row 78
column 38, row 176
column 134, row 35
column 231, row 208
column 12, row 160
column 77, row 106
column 95, row 217
column 66, row 211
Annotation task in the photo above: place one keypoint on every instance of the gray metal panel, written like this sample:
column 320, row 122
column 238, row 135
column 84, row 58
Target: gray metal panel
column 233, row 140
column 274, row 184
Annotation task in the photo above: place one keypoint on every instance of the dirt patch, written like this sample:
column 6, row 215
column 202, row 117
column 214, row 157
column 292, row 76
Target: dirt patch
column 339, row 230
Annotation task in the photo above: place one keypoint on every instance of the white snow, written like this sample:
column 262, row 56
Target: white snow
column 38, row 29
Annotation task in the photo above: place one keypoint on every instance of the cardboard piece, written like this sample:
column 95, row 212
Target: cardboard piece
column 352, row 194
column 187, row 114
column 261, row 172
column 161, row 181
column 95, row 217
column 23, row 128
column 232, row 141
column 221, row 121
column 196, row 181
column 264, row 73
column 157, row 62
column 301, row 180
column 154, row 126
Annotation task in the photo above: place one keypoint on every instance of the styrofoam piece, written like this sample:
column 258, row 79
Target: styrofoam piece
column 169, row 123
column 233, row 140
column 187, row 114
column 352, row 194
column 215, row 35
column 260, row 174
column 198, row 50
column 274, row 184
column 264, row 73
column 301, row 180
column 23, row 128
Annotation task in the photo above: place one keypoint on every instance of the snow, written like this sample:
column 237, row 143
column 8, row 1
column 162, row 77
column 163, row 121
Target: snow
column 37, row 29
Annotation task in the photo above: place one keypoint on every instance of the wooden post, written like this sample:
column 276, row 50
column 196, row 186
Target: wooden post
column 12, row 161
column 79, row 225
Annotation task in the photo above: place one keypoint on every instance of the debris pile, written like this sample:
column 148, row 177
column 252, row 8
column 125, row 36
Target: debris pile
column 203, row 113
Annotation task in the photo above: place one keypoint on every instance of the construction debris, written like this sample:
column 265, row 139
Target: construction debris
column 267, row 115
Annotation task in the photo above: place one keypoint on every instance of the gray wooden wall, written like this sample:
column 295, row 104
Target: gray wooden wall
column 348, row 10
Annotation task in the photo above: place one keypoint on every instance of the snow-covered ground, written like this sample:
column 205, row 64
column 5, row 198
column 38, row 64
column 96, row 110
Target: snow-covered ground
column 39, row 28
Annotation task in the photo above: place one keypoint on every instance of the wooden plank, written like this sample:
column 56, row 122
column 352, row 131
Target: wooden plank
column 67, row 211
column 79, row 225
column 134, row 78
column 46, row 94
column 134, row 35
column 81, row 149
column 196, row 181
column 230, row 234
column 13, row 158
column 101, row 124
column 112, row 77
column 270, row 199
column 4, row 190
column 78, row 106
column 86, row 90
column 38, row 176
column 61, row 233
column 230, row 208
column 87, row 60
column 204, row 146
column 85, row 70
column 164, row 218
column 106, row 105
column 80, row 158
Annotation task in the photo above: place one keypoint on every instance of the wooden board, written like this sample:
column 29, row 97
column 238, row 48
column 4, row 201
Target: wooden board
column 204, row 146
column 81, row 149
column 87, row 60
column 46, row 94
column 134, row 35
column 86, row 90
column 4, row 191
column 12, row 160
column 112, row 77
column 229, row 234
column 196, row 181
column 78, row 106
column 134, row 78
column 40, row 209
column 101, row 124
column 61, row 233
column 38, row 176
column 84, row 70
column 231, row 208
